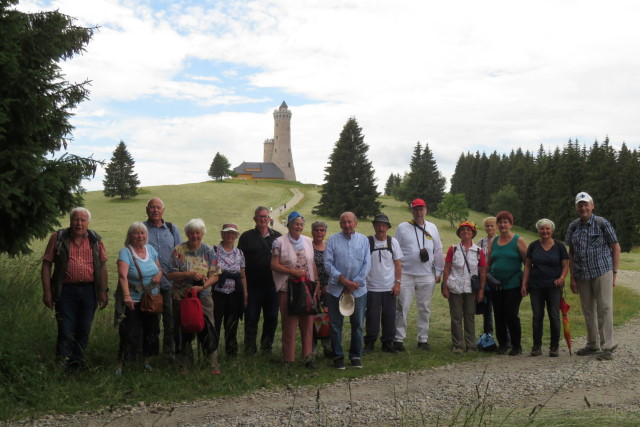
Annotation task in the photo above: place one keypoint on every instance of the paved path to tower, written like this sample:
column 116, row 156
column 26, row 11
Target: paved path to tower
column 291, row 204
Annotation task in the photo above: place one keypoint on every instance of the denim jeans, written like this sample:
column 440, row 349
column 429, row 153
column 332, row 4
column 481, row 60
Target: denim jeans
column 263, row 301
column 336, row 320
column 550, row 297
column 74, row 312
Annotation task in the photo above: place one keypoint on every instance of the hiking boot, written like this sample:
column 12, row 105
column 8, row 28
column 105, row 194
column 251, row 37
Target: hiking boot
column 339, row 363
column 515, row 351
column 536, row 351
column 586, row 351
column 356, row 363
column 424, row 346
column 388, row 347
column 310, row 364
column 605, row 355
column 368, row 347
column 554, row 352
column 458, row 350
column 398, row 346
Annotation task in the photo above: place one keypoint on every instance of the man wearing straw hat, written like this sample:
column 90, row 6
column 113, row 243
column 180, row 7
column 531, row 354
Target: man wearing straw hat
column 347, row 261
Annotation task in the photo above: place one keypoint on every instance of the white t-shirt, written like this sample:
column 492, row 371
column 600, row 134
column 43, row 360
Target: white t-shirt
column 412, row 240
column 382, row 274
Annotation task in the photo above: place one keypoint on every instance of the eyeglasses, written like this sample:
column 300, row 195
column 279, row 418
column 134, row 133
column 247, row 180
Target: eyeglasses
column 262, row 216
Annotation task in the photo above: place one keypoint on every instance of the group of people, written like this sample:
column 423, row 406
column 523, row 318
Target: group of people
column 372, row 279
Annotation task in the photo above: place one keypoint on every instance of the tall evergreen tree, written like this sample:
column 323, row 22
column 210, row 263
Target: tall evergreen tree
column 36, row 103
column 120, row 180
column 424, row 180
column 350, row 184
column 220, row 167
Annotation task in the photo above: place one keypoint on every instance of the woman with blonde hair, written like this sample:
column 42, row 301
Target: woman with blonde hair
column 139, row 271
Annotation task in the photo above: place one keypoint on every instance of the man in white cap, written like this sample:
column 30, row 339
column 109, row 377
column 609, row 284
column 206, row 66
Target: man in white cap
column 422, row 266
column 594, row 254
column 347, row 261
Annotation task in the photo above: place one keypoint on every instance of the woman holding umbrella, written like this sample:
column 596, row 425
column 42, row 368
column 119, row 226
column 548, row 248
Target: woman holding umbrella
column 545, row 269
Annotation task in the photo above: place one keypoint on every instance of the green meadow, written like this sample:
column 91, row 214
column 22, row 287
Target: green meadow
column 33, row 385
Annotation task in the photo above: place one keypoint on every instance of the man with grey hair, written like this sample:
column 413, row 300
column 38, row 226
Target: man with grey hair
column 77, row 286
column 163, row 236
column 347, row 260
column 256, row 246
column 594, row 255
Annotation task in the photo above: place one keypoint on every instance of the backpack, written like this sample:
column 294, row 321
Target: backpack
column 372, row 245
column 574, row 224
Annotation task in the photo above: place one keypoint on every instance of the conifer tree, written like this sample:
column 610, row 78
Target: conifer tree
column 120, row 180
column 220, row 167
column 38, row 182
column 350, row 184
column 424, row 180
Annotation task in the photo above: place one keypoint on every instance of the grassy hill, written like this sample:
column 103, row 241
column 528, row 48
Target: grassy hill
column 32, row 385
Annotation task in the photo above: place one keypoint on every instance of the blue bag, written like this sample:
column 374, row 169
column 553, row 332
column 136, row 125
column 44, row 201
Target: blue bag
column 487, row 343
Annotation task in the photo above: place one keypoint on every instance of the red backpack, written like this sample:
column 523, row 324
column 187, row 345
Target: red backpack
column 191, row 316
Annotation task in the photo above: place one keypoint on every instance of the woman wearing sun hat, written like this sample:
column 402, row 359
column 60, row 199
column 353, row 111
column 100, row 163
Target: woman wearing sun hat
column 463, row 261
column 292, row 256
column 230, row 293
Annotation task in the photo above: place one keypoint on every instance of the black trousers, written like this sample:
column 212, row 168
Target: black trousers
column 381, row 308
column 506, row 308
column 136, row 327
column 227, row 309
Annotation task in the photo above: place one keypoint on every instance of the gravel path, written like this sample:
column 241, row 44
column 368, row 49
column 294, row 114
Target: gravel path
column 389, row 399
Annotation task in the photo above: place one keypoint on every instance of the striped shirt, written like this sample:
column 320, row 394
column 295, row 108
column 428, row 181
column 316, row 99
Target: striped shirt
column 80, row 263
column 591, row 245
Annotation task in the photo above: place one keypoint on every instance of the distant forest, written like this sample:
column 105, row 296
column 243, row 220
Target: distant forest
column 543, row 185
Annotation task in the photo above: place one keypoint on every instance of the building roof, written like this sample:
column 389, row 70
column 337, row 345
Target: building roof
column 259, row 170
column 283, row 105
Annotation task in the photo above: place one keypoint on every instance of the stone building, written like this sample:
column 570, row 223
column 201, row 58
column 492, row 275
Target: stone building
column 277, row 160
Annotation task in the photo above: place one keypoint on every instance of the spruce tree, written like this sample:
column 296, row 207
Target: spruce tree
column 424, row 180
column 350, row 184
column 220, row 167
column 38, row 182
column 120, row 180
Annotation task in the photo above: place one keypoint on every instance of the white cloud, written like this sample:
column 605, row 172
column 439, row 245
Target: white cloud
column 460, row 76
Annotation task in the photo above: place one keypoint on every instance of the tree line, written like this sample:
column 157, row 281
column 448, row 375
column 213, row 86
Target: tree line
column 544, row 184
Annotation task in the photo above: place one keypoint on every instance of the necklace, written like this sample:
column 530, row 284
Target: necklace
column 140, row 252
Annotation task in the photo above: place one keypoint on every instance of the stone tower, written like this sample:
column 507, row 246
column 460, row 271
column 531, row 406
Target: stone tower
column 281, row 143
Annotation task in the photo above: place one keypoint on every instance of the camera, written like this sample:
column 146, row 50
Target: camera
column 424, row 255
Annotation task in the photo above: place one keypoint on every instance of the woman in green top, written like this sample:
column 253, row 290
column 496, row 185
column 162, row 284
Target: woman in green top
column 507, row 253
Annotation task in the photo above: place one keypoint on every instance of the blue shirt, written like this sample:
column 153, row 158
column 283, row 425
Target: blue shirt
column 591, row 245
column 163, row 241
column 148, row 268
column 347, row 255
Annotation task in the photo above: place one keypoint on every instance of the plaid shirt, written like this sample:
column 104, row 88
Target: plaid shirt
column 80, row 263
column 591, row 247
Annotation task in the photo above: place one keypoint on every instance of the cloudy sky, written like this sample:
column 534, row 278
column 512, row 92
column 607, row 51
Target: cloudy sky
column 179, row 81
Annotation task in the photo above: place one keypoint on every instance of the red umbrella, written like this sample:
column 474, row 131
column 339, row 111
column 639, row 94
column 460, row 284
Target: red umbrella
column 566, row 328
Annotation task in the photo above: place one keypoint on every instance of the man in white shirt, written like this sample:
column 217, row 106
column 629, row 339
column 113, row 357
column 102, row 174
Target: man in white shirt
column 422, row 266
column 383, row 286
